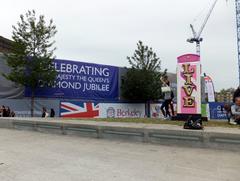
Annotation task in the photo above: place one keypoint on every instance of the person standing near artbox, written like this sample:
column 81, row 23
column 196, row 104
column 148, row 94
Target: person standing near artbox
column 168, row 98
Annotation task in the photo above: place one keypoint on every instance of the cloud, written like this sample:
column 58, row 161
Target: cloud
column 107, row 31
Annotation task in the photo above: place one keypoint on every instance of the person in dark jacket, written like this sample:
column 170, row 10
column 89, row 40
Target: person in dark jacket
column 44, row 112
column 4, row 111
column 235, row 111
column 52, row 113
column 236, row 94
column 8, row 112
column 172, row 104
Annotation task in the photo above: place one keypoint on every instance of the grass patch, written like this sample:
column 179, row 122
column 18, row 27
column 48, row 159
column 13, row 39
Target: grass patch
column 141, row 120
column 160, row 121
column 219, row 124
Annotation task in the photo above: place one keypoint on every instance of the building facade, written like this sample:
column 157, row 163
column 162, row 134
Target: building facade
column 5, row 45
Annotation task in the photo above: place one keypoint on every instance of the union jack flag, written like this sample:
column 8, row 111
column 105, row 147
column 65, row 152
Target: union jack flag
column 79, row 109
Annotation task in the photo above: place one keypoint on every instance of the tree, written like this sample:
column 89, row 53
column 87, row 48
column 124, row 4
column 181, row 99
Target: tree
column 142, row 80
column 144, row 59
column 32, row 55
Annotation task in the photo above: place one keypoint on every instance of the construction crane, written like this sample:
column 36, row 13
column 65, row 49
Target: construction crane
column 197, row 36
column 237, row 2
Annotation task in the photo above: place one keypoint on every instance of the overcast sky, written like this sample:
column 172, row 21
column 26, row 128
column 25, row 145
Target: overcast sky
column 106, row 31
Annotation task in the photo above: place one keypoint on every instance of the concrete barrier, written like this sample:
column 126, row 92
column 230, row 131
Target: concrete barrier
column 220, row 138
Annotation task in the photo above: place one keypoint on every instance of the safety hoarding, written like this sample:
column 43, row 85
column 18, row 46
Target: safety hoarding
column 78, row 80
column 79, row 109
column 217, row 111
column 155, row 110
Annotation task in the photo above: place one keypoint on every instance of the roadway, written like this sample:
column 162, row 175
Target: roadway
column 34, row 156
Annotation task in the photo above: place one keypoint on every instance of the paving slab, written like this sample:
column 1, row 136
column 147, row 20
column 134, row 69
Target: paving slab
column 33, row 156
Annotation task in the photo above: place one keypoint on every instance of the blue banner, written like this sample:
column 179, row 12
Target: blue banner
column 217, row 111
column 78, row 80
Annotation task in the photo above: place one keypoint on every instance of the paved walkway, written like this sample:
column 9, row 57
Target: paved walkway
column 33, row 156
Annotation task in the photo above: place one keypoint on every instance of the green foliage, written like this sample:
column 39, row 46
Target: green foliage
column 227, row 91
column 32, row 54
column 144, row 58
column 142, row 80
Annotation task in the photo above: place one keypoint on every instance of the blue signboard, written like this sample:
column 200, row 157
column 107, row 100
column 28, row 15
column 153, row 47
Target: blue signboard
column 217, row 111
column 78, row 80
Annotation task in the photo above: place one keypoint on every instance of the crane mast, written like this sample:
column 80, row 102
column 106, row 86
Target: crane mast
column 197, row 36
column 206, row 19
column 238, row 34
